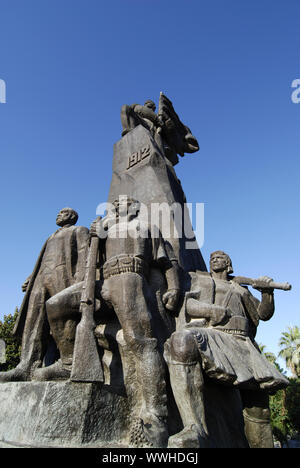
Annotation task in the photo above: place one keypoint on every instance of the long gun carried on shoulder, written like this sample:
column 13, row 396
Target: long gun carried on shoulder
column 87, row 366
column 258, row 283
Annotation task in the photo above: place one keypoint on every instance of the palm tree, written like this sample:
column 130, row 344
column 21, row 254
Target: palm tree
column 269, row 356
column 290, row 342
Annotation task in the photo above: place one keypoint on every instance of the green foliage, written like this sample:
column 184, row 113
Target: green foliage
column 290, row 344
column 279, row 416
column 284, row 404
column 13, row 344
column 285, row 411
column 292, row 403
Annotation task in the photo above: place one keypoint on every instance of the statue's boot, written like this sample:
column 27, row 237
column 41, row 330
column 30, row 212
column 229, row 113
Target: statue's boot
column 149, row 427
column 150, row 431
column 153, row 412
column 187, row 385
column 190, row 437
column 257, row 419
column 156, row 430
column 21, row 373
column 57, row 371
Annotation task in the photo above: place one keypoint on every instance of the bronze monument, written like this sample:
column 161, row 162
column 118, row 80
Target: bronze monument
column 127, row 339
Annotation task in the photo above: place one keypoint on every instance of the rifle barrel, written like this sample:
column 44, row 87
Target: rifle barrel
column 263, row 284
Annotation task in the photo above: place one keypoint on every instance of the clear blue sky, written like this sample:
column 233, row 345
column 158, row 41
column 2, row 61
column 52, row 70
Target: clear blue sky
column 227, row 66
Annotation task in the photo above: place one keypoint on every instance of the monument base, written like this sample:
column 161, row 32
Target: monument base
column 62, row 414
column 82, row 415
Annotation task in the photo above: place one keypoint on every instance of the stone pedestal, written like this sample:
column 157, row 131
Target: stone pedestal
column 79, row 415
column 62, row 414
column 141, row 171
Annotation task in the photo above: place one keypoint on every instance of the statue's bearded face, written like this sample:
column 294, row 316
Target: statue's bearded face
column 64, row 217
column 218, row 262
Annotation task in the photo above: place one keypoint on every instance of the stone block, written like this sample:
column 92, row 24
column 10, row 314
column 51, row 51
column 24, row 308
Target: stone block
column 62, row 414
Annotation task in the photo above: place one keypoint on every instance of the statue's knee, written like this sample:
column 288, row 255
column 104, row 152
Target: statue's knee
column 139, row 343
column 103, row 292
column 51, row 306
column 54, row 308
column 183, row 347
column 129, row 338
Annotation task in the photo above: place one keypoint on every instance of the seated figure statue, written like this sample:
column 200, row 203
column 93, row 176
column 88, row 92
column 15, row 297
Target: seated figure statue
column 217, row 342
column 171, row 135
column 136, row 114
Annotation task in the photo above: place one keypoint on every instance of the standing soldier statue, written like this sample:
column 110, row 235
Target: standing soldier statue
column 61, row 264
column 130, row 252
